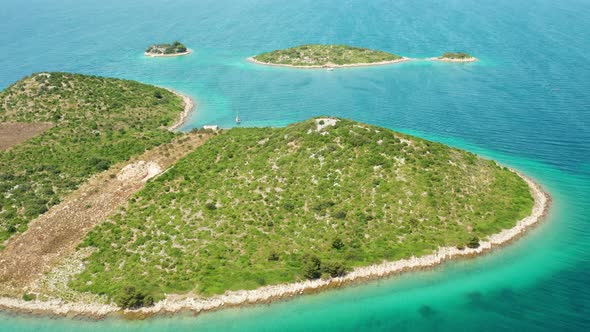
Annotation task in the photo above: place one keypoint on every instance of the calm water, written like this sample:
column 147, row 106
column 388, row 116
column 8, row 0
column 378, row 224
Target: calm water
column 526, row 103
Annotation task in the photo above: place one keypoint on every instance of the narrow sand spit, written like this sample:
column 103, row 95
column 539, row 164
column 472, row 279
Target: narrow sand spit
column 176, row 303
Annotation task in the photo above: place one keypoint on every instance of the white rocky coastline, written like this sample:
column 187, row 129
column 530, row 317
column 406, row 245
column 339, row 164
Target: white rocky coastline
column 189, row 106
column 334, row 66
column 176, row 303
column 464, row 60
column 160, row 55
column 331, row 65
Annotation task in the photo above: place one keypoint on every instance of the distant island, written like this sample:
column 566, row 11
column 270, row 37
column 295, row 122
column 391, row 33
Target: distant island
column 167, row 50
column 326, row 56
column 456, row 57
column 108, row 210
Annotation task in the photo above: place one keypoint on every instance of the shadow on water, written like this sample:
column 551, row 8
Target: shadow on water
column 475, row 300
column 427, row 311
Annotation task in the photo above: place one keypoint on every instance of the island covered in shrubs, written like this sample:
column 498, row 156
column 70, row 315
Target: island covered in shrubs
column 326, row 56
column 167, row 50
column 456, row 57
column 241, row 216
column 264, row 206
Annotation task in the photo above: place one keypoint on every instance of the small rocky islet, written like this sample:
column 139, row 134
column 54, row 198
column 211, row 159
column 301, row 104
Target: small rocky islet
column 175, row 48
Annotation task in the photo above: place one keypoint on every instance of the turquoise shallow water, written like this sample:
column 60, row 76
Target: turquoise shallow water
column 526, row 103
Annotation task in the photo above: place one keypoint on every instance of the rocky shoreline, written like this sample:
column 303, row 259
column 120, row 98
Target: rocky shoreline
column 178, row 303
column 472, row 59
column 326, row 66
column 382, row 63
column 156, row 55
column 189, row 106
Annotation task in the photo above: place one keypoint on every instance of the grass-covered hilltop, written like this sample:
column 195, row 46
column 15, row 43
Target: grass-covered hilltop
column 174, row 49
column 81, row 125
column 457, row 57
column 261, row 206
column 314, row 56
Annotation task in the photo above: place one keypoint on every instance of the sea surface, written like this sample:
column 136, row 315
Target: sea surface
column 526, row 104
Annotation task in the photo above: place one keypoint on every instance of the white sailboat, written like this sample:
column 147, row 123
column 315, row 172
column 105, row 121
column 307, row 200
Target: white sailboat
column 238, row 120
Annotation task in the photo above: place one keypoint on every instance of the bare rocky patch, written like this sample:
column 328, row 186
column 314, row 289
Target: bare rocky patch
column 55, row 235
column 13, row 133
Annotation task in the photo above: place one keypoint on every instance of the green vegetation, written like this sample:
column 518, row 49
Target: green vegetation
column 325, row 55
column 259, row 206
column 314, row 268
column 97, row 122
column 174, row 48
column 457, row 56
column 473, row 243
column 131, row 298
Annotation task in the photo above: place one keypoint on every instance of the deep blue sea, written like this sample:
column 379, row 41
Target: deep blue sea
column 526, row 104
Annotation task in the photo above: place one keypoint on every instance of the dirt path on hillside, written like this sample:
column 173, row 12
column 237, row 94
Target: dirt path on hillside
column 56, row 234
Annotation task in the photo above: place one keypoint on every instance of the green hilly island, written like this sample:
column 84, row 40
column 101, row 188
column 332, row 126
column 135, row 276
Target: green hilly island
column 175, row 48
column 315, row 55
column 91, row 123
column 261, row 206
